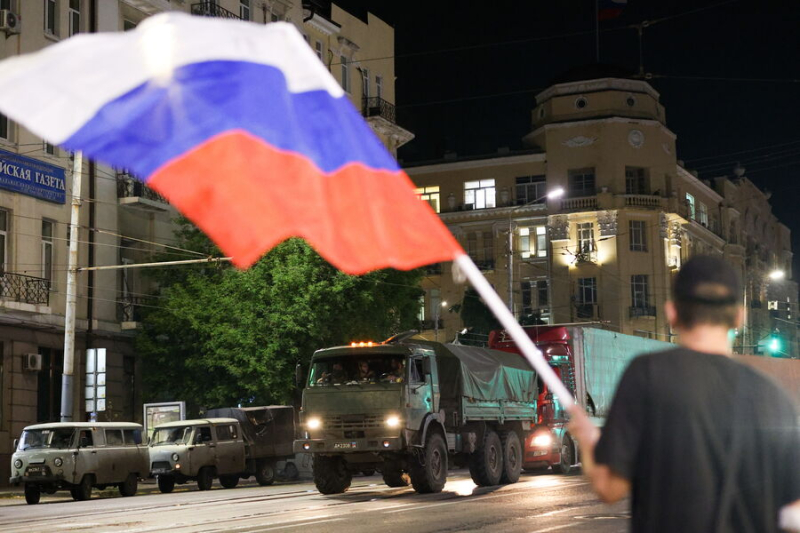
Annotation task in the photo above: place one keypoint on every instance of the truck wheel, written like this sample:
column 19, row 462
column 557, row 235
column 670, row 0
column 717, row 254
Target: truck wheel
column 512, row 457
column 166, row 484
column 290, row 471
column 567, row 457
column 265, row 472
column 428, row 471
column 205, row 478
column 129, row 486
column 486, row 463
column 83, row 490
column 32, row 494
column 331, row 475
column 230, row 481
column 394, row 476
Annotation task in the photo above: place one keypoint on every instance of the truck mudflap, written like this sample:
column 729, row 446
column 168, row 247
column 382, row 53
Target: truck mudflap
column 386, row 444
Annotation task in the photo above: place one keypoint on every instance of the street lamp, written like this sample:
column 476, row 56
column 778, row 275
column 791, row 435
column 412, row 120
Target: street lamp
column 776, row 275
column 552, row 195
column 436, row 316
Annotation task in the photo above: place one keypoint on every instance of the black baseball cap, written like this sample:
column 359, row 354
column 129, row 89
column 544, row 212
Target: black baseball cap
column 707, row 280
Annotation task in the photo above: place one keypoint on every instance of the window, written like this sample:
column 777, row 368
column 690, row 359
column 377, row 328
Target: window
column 417, row 371
column 531, row 189
column 430, row 195
column 479, row 194
column 128, row 25
column 244, row 9
column 226, row 432
column 542, row 292
column 202, row 435
column 435, row 304
column 3, row 240
column 488, row 246
column 47, row 251
column 365, row 82
column 74, row 17
column 345, row 74
column 379, row 86
column 640, row 293
column 421, row 311
column 636, row 181
column 50, row 17
column 6, row 4
column 638, row 232
column 472, row 245
column 113, row 437
column 533, row 242
column 49, row 148
column 133, row 436
column 318, row 49
column 690, row 206
column 587, row 291
column 535, row 295
column 585, row 238
column 702, row 213
column 5, row 127
column 581, row 182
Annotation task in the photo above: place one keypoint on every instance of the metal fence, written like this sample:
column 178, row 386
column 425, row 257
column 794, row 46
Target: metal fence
column 25, row 289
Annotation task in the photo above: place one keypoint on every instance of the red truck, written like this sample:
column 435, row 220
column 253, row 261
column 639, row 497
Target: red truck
column 590, row 361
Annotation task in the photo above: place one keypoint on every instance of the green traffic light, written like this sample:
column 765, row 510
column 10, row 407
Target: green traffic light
column 774, row 345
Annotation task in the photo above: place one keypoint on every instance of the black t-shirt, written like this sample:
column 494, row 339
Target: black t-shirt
column 672, row 429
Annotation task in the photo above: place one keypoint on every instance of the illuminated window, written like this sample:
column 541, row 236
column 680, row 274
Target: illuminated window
column 586, row 238
column 74, row 17
column 533, row 242
column 430, row 195
column 690, row 206
column 479, row 194
column 638, row 233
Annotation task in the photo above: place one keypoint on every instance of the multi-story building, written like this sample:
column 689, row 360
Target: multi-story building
column 629, row 216
column 121, row 220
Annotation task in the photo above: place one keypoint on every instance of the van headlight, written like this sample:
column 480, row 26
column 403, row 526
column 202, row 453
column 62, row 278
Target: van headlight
column 393, row 421
column 314, row 422
column 58, row 461
column 18, row 463
column 175, row 456
column 542, row 441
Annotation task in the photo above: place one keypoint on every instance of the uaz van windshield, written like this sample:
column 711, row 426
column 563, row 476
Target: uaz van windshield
column 60, row 438
column 176, row 435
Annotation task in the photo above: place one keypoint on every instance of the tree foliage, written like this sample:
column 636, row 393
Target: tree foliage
column 475, row 315
column 219, row 336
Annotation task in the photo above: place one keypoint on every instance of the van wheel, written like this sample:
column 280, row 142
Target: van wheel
column 83, row 490
column 331, row 475
column 129, row 486
column 32, row 494
column 486, row 463
column 265, row 472
column 290, row 472
column 230, row 481
column 512, row 457
column 166, row 484
column 205, row 478
column 428, row 471
column 567, row 457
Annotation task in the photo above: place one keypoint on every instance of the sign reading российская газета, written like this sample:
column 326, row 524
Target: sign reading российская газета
column 32, row 177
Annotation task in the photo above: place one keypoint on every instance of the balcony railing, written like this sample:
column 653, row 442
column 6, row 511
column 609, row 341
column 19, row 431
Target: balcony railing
column 24, row 289
column 211, row 9
column 586, row 310
column 130, row 187
column 375, row 106
column 641, row 200
column 583, row 203
column 643, row 310
column 129, row 308
column 431, row 324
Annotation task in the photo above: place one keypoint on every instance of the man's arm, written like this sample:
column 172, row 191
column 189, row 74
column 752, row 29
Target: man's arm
column 608, row 485
column 790, row 517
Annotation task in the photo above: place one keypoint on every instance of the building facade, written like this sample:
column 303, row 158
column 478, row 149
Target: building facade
column 121, row 220
column 629, row 216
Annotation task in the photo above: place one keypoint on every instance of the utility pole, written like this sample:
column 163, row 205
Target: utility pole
column 72, row 292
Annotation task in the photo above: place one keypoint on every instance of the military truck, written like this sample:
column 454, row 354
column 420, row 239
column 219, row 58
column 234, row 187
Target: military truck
column 78, row 456
column 408, row 408
column 231, row 444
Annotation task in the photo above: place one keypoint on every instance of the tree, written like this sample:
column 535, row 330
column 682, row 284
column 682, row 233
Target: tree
column 219, row 336
column 475, row 315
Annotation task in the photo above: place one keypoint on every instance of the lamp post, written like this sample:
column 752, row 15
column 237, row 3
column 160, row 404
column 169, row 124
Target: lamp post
column 436, row 317
column 552, row 195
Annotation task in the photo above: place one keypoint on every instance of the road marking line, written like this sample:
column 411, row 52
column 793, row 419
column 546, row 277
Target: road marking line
column 551, row 513
column 303, row 524
column 553, row 528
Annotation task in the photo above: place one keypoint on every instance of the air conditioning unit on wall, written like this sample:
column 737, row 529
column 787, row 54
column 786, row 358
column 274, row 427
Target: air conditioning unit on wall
column 32, row 362
column 9, row 22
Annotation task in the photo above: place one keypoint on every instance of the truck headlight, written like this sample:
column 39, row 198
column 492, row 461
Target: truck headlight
column 542, row 441
column 393, row 421
column 58, row 462
column 17, row 463
column 314, row 423
column 175, row 456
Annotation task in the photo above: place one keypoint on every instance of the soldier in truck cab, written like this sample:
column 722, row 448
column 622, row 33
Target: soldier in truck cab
column 336, row 375
column 395, row 375
column 364, row 372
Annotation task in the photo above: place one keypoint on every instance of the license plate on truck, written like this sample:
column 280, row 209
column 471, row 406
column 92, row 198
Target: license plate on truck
column 344, row 445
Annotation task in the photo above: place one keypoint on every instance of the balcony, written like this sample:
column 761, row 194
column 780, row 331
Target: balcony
column 375, row 106
column 642, row 200
column 129, row 309
column 134, row 193
column 210, row 8
column 642, row 311
column 24, row 289
column 431, row 324
column 585, row 203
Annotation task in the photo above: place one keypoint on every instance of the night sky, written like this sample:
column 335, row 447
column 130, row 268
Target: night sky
column 728, row 73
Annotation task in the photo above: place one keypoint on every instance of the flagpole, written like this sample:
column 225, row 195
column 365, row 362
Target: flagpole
column 72, row 292
column 507, row 320
column 597, row 30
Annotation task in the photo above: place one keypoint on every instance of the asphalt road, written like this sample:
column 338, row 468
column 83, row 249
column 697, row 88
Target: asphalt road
column 537, row 504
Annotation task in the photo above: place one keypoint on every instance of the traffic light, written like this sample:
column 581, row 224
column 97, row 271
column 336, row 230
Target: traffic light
column 774, row 344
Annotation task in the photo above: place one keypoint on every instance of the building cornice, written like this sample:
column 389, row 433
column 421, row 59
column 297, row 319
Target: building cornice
column 323, row 25
column 695, row 181
column 606, row 120
column 477, row 163
column 602, row 84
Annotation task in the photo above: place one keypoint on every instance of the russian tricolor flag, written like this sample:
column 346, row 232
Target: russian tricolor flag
column 610, row 9
column 239, row 126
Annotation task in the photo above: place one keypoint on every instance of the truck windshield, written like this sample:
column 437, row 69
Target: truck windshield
column 348, row 370
column 60, row 438
column 176, row 435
